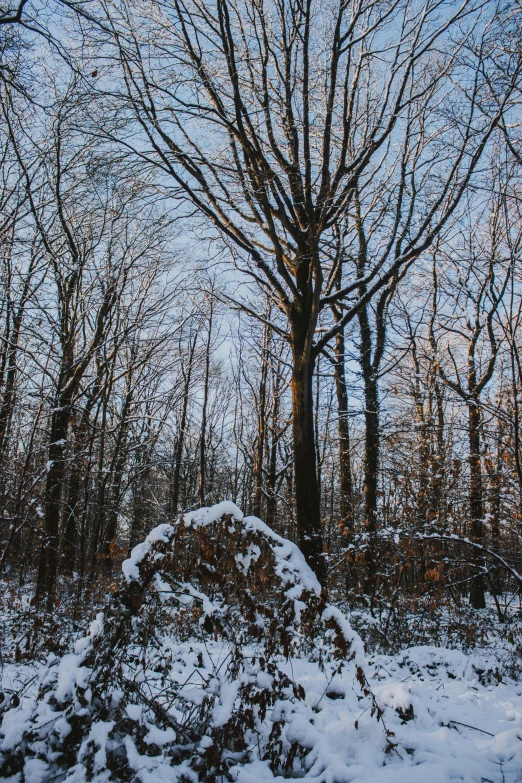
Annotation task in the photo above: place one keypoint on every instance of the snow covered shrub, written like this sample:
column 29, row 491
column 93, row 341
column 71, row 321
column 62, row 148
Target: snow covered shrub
column 183, row 676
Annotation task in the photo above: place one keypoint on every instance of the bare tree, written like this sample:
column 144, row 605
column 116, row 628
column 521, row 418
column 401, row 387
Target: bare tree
column 85, row 228
column 474, row 281
column 268, row 116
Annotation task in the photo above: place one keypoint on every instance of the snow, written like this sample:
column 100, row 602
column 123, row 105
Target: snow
column 99, row 735
column 220, row 510
column 429, row 748
column 291, row 566
column 222, row 712
column 70, row 674
column 460, row 729
column 202, row 517
column 350, row 636
column 36, row 771
column 159, row 737
column 14, row 723
column 446, row 715
column 134, row 711
column 130, row 567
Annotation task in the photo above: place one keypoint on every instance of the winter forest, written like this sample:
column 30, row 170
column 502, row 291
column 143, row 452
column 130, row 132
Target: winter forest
column 260, row 391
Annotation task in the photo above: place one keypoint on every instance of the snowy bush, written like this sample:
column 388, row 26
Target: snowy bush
column 184, row 676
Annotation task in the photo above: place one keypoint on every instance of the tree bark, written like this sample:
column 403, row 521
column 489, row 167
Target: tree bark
column 371, row 443
column 259, row 450
column 116, row 473
column 308, row 515
column 345, row 468
column 476, row 503
column 275, row 435
column 109, row 534
column 70, row 532
column 9, row 371
column 203, row 435
column 8, row 395
column 180, row 440
column 140, row 520
column 48, row 563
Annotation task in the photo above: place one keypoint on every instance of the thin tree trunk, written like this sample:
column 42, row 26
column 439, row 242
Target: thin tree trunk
column 140, row 521
column 203, row 435
column 259, row 451
column 345, row 467
column 69, row 543
column 318, row 458
column 10, row 361
column 515, row 380
column 495, row 477
column 116, row 472
column 271, row 504
column 476, row 502
column 439, row 459
column 109, row 534
column 371, row 444
column 102, row 477
column 180, row 440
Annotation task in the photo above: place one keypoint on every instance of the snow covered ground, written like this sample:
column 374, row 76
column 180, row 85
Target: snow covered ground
column 446, row 723
column 335, row 713
column 446, row 715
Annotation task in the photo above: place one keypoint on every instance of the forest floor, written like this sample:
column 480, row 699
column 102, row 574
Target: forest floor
column 448, row 716
column 425, row 714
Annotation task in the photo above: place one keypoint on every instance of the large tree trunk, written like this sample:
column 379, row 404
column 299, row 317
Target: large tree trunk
column 70, row 532
column 48, row 562
column 476, row 503
column 308, row 515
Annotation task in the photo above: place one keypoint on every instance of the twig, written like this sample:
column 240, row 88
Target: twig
column 458, row 723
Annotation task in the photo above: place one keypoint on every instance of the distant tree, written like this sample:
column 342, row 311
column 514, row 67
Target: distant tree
column 470, row 281
column 89, row 235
